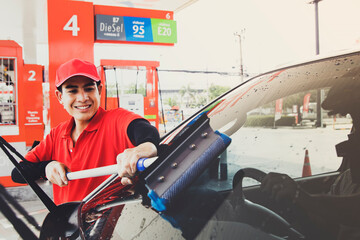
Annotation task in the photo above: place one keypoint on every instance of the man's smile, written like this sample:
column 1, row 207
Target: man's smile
column 83, row 107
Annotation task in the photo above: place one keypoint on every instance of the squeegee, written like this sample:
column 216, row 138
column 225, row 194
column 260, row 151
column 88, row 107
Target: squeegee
column 187, row 157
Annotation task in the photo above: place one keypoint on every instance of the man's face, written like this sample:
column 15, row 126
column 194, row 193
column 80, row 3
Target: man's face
column 80, row 97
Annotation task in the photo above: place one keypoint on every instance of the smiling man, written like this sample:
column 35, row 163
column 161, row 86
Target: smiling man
column 92, row 138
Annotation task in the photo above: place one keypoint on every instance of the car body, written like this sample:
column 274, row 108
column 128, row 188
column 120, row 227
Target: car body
column 212, row 206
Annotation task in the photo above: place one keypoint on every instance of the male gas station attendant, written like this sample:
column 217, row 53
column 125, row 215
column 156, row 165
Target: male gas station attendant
column 92, row 138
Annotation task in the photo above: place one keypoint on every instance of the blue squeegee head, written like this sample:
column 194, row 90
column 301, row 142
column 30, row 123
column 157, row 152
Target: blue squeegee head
column 198, row 167
column 161, row 203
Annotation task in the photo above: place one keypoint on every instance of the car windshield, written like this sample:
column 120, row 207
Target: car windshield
column 274, row 139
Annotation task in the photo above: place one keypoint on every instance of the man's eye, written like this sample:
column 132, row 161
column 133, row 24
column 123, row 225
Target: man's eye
column 89, row 89
column 72, row 91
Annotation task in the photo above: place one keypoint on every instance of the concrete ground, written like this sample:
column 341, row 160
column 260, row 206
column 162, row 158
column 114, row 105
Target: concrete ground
column 34, row 208
column 31, row 204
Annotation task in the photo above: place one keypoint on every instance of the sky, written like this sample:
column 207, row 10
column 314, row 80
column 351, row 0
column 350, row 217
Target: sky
column 273, row 32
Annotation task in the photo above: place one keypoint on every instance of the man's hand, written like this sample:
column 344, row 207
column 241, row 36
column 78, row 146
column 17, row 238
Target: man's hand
column 279, row 186
column 56, row 173
column 127, row 160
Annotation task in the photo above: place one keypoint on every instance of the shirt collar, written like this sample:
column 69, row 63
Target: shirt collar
column 93, row 125
column 95, row 121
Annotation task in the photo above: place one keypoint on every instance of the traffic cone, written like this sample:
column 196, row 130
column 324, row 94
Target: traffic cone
column 306, row 168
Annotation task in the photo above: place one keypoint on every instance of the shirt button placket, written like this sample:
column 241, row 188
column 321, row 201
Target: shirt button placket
column 71, row 146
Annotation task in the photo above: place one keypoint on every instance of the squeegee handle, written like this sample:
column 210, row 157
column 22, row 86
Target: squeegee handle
column 141, row 165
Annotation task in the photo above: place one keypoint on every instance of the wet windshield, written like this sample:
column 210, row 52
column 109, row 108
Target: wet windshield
column 274, row 139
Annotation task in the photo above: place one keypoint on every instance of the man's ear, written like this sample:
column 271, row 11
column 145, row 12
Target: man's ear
column 100, row 88
column 59, row 96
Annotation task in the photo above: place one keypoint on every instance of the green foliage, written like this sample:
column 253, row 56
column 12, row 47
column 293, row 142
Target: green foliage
column 216, row 90
column 129, row 89
column 187, row 90
column 268, row 121
column 295, row 99
column 201, row 100
column 194, row 98
column 172, row 101
column 285, row 121
column 132, row 89
column 298, row 99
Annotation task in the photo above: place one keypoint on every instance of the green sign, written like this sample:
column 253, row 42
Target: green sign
column 164, row 31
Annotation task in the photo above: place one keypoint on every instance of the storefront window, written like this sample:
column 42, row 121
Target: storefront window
column 7, row 91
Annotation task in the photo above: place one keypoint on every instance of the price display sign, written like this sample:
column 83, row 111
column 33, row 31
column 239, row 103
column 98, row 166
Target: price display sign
column 135, row 29
column 138, row 29
column 110, row 28
column 164, row 31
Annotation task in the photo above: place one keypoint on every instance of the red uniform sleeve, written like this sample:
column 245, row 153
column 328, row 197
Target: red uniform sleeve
column 43, row 151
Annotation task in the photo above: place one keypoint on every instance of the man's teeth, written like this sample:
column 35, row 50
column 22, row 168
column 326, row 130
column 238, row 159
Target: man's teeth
column 83, row 107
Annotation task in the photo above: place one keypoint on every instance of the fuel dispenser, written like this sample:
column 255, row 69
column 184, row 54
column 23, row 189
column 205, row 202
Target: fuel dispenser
column 21, row 104
column 133, row 102
column 132, row 85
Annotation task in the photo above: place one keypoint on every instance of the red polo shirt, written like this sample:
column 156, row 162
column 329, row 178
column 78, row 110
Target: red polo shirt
column 98, row 145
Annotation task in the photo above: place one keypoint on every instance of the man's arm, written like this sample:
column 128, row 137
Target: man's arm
column 53, row 171
column 127, row 160
column 38, row 164
column 56, row 173
column 141, row 131
column 35, row 171
column 146, row 139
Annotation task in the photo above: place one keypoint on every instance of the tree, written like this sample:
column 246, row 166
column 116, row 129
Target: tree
column 201, row 100
column 188, row 95
column 132, row 89
column 172, row 101
column 216, row 90
column 298, row 99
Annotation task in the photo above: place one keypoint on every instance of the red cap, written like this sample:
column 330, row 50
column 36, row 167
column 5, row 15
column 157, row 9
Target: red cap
column 76, row 67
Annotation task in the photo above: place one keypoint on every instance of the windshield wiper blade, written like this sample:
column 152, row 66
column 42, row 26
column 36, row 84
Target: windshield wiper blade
column 6, row 147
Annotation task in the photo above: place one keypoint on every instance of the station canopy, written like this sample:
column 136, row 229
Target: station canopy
column 167, row 5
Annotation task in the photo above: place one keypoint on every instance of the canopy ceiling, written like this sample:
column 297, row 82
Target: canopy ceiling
column 168, row 5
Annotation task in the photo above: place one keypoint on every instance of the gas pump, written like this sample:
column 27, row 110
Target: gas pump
column 133, row 102
column 132, row 85
column 21, row 104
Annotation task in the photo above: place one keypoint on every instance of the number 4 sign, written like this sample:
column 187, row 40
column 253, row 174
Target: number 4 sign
column 71, row 35
column 72, row 25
